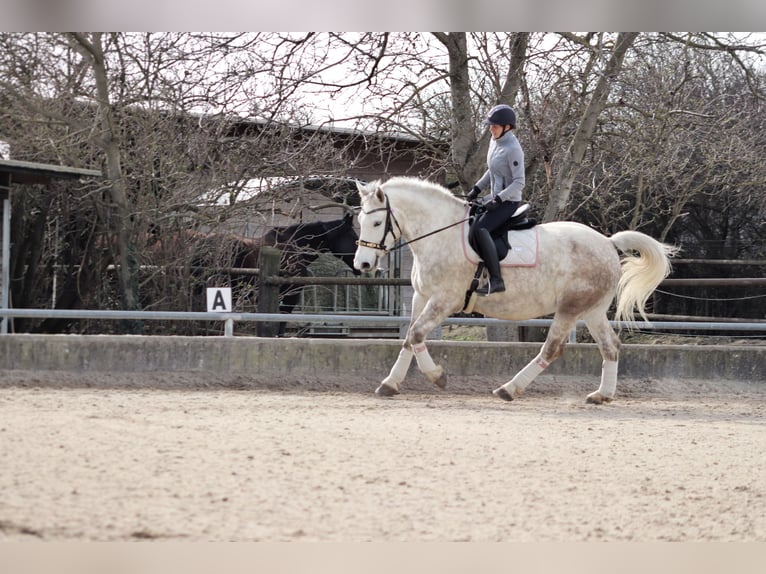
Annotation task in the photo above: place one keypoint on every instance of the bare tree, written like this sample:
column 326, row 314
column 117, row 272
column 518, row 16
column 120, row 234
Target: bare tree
column 91, row 47
column 618, row 130
column 613, row 54
column 468, row 153
column 166, row 117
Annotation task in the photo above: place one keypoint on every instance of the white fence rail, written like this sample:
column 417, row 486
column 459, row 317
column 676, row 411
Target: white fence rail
column 229, row 319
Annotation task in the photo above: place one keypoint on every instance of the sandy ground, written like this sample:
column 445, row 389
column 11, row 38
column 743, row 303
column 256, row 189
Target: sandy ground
column 196, row 457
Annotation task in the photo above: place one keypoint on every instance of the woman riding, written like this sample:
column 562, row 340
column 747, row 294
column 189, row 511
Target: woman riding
column 505, row 178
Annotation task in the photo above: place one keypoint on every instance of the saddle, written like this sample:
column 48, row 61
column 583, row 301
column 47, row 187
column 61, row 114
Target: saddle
column 517, row 221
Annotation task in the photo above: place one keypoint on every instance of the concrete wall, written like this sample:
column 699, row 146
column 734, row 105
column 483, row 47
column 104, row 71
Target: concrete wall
column 339, row 357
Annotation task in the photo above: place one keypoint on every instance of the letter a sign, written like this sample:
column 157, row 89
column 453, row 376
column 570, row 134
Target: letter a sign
column 219, row 299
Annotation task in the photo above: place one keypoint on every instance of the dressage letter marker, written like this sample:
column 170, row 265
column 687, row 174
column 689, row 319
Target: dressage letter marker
column 219, row 299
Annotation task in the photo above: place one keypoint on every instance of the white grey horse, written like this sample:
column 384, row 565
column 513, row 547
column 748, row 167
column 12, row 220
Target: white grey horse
column 577, row 275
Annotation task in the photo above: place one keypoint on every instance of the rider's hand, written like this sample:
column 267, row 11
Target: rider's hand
column 473, row 194
column 493, row 205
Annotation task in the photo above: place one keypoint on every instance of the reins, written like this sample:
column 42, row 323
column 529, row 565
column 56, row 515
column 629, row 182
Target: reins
column 395, row 247
column 390, row 229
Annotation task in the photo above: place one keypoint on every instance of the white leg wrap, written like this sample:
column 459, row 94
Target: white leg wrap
column 527, row 374
column 423, row 357
column 608, row 379
column 399, row 370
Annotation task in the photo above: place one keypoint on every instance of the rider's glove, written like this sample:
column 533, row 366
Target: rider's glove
column 473, row 194
column 493, row 204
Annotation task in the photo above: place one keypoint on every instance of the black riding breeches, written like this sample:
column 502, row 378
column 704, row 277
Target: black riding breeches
column 492, row 220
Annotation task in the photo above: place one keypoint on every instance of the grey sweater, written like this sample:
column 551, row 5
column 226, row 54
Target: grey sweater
column 505, row 160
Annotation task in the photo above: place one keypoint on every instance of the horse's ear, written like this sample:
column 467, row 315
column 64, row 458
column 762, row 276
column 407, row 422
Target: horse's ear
column 363, row 191
column 370, row 188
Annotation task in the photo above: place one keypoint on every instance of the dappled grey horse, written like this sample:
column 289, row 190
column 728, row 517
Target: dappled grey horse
column 576, row 275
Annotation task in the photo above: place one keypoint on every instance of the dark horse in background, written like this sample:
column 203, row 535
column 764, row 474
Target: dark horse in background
column 300, row 246
column 217, row 256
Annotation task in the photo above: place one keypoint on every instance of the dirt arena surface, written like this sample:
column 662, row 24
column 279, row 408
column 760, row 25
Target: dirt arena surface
column 199, row 457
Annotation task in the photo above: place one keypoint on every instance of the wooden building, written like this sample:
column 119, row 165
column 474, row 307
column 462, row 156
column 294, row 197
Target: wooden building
column 12, row 173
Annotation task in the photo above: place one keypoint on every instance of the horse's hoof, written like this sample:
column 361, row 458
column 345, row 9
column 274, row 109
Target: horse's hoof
column 503, row 394
column 441, row 381
column 386, row 391
column 597, row 399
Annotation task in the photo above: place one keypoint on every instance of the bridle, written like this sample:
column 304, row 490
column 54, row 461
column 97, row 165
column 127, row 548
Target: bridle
column 390, row 217
column 389, row 228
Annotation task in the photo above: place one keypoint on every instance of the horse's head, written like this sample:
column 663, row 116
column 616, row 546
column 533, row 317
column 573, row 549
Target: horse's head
column 376, row 226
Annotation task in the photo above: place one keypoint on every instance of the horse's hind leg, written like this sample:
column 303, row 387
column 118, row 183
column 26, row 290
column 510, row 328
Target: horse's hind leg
column 609, row 345
column 552, row 349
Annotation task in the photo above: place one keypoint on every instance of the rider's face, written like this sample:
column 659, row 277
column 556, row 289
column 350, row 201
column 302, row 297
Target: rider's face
column 496, row 130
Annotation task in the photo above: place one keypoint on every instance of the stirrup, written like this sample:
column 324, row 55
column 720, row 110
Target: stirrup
column 498, row 284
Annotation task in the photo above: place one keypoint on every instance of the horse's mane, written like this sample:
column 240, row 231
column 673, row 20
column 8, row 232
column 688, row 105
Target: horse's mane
column 419, row 186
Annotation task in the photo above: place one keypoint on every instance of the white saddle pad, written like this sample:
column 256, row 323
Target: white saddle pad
column 523, row 251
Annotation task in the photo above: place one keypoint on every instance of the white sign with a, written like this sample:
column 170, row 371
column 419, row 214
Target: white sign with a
column 219, row 299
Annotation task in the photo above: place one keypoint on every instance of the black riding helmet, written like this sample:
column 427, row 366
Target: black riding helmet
column 501, row 115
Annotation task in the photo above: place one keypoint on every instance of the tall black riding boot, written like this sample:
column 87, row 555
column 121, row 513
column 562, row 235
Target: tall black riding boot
column 489, row 253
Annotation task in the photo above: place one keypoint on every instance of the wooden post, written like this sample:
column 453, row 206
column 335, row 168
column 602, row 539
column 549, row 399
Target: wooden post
column 268, row 295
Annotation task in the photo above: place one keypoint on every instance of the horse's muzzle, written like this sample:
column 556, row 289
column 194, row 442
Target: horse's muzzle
column 365, row 260
column 364, row 264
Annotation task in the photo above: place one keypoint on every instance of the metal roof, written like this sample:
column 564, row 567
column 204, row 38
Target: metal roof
column 32, row 172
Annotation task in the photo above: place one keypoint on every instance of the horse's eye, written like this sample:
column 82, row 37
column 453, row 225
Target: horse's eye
column 377, row 224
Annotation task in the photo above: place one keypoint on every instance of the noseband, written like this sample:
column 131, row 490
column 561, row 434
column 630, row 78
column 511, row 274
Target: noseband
column 390, row 220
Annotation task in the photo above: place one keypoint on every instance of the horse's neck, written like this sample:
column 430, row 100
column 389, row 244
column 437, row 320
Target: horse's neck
column 310, row 243
column 420, row 214
column 297, row 262
column 425, row 214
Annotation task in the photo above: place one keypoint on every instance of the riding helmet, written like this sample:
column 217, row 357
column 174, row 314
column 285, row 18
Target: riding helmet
column 501, row 115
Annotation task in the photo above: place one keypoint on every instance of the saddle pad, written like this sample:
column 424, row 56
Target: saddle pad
column 523, row 251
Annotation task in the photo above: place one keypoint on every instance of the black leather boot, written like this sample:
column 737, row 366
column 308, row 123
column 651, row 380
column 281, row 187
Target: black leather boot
column 489, row 254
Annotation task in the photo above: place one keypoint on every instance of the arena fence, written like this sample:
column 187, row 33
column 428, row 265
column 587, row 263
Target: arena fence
column 230, row 319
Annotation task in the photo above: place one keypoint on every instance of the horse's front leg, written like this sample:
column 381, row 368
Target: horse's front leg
column 390, row 385
column 434, row 312
column 426, row 316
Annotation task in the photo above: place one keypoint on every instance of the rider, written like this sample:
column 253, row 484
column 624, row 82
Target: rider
column 505, row 178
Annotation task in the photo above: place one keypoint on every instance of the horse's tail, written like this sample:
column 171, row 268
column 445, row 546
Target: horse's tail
column 640, row 275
